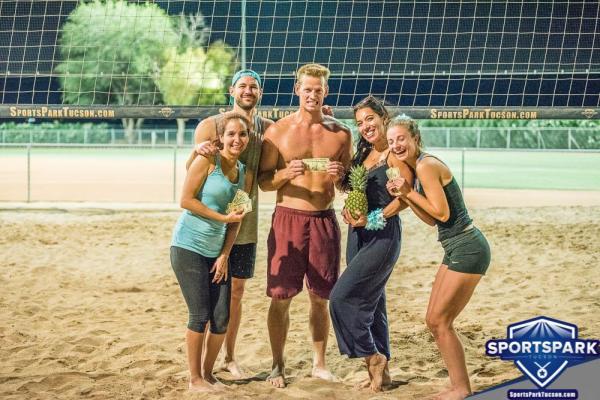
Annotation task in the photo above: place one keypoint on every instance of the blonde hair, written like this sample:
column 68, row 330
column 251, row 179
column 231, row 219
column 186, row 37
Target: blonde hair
column 314, row 70
column 410, row 125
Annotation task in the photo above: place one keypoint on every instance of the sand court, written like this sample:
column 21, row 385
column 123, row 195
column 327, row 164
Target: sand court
column 90, row 307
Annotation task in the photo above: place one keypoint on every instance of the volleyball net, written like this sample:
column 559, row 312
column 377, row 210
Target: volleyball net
column 175, row 58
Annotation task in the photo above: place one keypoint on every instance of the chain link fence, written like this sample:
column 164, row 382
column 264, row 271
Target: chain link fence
column 146, row 173
column 479, row 138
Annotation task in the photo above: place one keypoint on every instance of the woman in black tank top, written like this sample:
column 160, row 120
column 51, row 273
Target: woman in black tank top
column 436, row 199
column 357, row 302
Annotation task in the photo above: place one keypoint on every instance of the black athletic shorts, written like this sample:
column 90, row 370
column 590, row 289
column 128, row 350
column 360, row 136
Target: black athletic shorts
column 241, row 260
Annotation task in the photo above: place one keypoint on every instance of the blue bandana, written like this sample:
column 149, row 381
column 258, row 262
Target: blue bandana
column 246, row 72
column 242, row 73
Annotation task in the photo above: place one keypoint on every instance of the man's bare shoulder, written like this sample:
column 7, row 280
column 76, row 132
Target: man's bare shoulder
column 209, row 120
column 207, row 125
column 335, row 125
column 279, row 127
column 287, row 120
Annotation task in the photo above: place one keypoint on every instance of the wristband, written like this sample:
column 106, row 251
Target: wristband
column 375, row 220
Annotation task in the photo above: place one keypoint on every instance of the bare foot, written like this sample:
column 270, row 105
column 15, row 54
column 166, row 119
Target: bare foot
column 276, row 377
column 443, row 392
column 377, row 363
column 214, row 382
column 234, row 369
column 324, row 374
column 386, row 381
column 452, row 394
column 200, row 385
column 363, row 384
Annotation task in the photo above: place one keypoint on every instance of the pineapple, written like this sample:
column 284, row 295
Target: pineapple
column 357, row 198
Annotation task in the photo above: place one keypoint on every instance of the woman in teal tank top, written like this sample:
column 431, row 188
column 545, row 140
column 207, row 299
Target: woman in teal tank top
column 436, row 199
column 200, row 246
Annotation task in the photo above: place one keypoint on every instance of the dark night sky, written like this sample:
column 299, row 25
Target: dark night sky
column 509, row 53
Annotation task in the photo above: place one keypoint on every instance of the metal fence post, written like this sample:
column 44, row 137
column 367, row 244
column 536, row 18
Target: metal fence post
column 569, row 138
column 112, row 135
column 508, row 139
column 166, row 136
column 478, row 137
column 447, row 138
column 29, row 172
column 174, row 174
column 462, row 171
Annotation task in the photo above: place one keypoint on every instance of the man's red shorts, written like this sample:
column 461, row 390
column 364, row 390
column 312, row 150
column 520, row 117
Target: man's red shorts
column 302, row 244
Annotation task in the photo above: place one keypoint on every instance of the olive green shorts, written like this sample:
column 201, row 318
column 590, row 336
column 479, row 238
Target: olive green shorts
column 467, row 252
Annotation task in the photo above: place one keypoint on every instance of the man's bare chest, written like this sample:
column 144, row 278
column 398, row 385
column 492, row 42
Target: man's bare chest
column 305, row 146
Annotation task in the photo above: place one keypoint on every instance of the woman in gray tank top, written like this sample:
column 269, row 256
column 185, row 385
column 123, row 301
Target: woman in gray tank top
column 436, row 199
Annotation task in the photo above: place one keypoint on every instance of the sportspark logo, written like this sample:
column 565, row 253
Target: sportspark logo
column 542, row 348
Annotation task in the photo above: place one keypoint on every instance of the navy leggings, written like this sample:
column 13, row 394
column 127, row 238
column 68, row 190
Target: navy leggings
column 357, row 302
column 206, row 301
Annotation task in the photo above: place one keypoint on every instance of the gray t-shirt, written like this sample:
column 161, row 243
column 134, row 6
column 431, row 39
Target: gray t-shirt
column 251, row 159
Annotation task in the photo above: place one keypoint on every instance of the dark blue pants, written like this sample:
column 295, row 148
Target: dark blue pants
column 357, row 302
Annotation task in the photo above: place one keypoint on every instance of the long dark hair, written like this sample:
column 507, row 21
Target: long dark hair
column 363, row 147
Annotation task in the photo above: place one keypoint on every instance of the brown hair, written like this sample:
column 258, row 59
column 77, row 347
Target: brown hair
column 228, row 116
column 314, row 70
column 410, row 125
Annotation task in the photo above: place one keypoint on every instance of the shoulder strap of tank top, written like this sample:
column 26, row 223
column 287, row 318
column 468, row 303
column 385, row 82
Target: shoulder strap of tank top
column 423, row 155
column 258, row 126
column 257, row 122
column 417, row 183
column 388, row 155
column 241, row 167
column 218, row 161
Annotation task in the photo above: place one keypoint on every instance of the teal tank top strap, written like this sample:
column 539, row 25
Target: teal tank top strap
column 218, row 163
column 241, row 174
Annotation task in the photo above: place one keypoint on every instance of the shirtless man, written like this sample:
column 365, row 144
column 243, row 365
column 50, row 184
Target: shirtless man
column 304, row 241
column 245, row 92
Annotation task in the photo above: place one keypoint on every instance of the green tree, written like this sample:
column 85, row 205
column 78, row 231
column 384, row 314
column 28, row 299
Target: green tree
column 194, row 74
column 109, row 52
